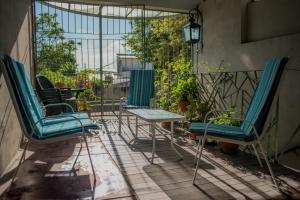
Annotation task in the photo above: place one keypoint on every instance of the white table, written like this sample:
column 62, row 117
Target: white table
column 153, row 116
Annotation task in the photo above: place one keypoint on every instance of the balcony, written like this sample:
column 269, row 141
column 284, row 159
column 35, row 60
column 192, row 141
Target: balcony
column 124, row 171
column 91, row 46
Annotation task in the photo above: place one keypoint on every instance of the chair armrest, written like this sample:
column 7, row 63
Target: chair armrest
column 59, row 104
column 51, row 95
column 66, row 93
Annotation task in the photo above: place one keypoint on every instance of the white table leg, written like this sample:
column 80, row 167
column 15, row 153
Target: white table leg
column 136, row 127
column 172, row 140
column 153, row 140
column 120, row 118
column 128, row 120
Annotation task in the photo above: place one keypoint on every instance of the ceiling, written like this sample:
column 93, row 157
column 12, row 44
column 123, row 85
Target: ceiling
column 170, row 5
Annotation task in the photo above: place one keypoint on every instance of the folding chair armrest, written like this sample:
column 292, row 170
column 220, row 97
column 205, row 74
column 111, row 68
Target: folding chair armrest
column 59, row 104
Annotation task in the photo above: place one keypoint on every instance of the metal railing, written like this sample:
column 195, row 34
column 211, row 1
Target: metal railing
column 102, row 55
column 227, row 90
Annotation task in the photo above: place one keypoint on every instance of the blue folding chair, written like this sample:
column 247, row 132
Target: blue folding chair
column 141, row 92
column 35, row 125
column 251, row 130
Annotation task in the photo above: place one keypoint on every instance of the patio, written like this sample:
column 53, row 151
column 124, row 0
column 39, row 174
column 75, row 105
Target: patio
column 124, row 171
column 201, row 56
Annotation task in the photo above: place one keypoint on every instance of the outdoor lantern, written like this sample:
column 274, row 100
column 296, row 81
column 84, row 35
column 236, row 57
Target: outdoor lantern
column 192, row 31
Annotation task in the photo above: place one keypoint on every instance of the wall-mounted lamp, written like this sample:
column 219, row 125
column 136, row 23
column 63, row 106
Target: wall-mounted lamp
column 192, row 31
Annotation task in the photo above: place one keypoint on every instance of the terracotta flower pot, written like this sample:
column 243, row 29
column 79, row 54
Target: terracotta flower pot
column 193, row 136
column 59, row 85
column 89, row 114
column 228, row 148
column 166, row 125
column 183, row 105
column 79, row 83
column 88, row 86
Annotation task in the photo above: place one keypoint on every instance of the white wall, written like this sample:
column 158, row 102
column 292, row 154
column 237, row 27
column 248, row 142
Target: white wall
column 15, row 40
column 223, row 35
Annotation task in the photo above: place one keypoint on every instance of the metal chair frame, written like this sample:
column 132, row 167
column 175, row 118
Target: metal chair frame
column 252, row 143
column 29, row 135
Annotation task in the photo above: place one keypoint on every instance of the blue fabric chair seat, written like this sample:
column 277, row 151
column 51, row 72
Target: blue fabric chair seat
column 224, row 131
column 252, row 127
column 64, row 128
column 79, row 115
column 31, row 111
column 257, row 111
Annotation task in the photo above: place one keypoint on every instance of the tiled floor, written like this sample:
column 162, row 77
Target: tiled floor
column 124, row 171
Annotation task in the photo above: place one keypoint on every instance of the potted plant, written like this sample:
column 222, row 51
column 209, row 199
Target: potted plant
column 83, row 104
column 59, row 84
column 88, row 85
column 79, row 83
column 196, row 112
column 182, row 91
column 165, row 105
column 164, row 92
column 227, row 147
column 184, row 83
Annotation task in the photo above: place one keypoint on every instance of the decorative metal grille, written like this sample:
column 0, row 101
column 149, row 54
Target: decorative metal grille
column 226, row 90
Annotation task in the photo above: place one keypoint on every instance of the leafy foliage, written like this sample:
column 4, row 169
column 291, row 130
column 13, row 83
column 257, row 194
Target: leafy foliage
column 226, row 120
column 53, row 51
column 162, row 44
column 165, row 48
column 162, row 40
column 56, row 56
column 184, row 80
column 57, row 77
column 197, row 110
column 177, row 83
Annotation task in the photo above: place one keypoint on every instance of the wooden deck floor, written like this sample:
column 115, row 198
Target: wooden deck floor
column 221, row 176
column 124, row 171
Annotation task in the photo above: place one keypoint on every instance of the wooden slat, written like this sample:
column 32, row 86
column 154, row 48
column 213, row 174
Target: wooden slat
column 220, row 176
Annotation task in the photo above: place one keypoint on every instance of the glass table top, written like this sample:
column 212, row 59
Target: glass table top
column 155, row 115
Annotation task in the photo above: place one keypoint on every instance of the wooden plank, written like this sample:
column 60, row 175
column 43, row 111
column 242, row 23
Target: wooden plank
column 221, row 176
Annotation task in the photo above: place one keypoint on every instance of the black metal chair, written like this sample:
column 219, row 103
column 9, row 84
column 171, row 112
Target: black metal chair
column 51, row 95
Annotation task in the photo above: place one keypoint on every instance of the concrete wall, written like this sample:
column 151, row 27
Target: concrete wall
column 267, row 20
column 15, row 40
column 224, row 30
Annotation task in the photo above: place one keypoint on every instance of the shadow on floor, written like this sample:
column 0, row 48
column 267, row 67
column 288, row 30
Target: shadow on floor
column 221, row 177
column 49, row 173
column 177, row 184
